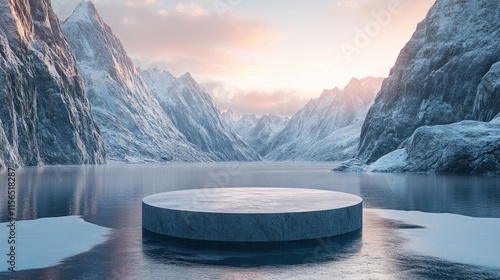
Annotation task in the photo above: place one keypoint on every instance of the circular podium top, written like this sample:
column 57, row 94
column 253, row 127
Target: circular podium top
column 252, row 200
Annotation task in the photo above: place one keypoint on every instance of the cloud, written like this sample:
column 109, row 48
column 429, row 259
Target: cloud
column 190, row 9
column 284, row 102
column 187, row 37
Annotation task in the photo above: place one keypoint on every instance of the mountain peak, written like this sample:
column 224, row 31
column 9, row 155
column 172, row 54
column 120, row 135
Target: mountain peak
column 86, row 7
column 354, row 80
column 157, row 76
column 327, row 92
column 188, row 80
column 353, row 83
column 85, row 11
column 187, row 77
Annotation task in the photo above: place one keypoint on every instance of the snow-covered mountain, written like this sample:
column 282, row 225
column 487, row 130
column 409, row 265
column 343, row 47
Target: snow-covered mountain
column 192, row 110
column 45, row 116
column 264, row 131
column 449, row 71
column 133, row 124
column 327, row 128
column 230, row 118
column 245, row 124
column 258, row 132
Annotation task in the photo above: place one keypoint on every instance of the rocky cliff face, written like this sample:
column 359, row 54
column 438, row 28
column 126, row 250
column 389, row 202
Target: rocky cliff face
column 44, row 111
column 326, row 128
column 134, row 126
column 449, row 71
column 192, row 110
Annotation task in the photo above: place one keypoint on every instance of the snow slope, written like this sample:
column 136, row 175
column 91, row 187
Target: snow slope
column 45, row 116
column 258, row 132
column 245, row 124
column 230, row 118
column 326, row 128
column 264, row 131
column 193, row 112
column 133, row 124
column 449, row 71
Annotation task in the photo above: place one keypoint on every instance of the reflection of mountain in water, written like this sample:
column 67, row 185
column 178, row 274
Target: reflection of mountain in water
column 62, row 191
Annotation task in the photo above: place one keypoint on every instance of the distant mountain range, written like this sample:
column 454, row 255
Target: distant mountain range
column 326, row 128
column 258, row 132
column 70, row 94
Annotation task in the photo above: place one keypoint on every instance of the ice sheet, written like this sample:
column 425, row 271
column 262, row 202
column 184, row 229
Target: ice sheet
column 452, row 237
column 46, row 242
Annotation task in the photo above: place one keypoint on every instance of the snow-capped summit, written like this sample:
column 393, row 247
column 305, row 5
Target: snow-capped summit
column 245, row 124
column 95, row 45
column 187, row 78
column 45, row 116
column 258, row 132
column 327, row 92
column 86, row 11
column 448, row 72
column 326, row 128
column 134, row 126
column 192, row 110
column 230, row 118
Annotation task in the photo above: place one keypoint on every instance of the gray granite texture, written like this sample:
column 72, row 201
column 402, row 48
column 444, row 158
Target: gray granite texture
column 252, row 214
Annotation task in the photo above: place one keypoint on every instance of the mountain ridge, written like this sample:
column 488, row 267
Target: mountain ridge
column 192, row 110
column 133, row 124
column 304, row 137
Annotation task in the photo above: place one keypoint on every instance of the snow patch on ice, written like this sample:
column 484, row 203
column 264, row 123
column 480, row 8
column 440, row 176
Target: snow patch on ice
column 46, row 242
column 455, row 238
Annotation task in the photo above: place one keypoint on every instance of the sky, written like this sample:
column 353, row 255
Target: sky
column 263, row 57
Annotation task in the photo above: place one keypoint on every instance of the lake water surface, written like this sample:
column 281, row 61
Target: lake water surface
column 110, row 196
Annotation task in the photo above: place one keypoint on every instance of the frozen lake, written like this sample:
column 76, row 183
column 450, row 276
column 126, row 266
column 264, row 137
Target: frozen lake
column 415, row 225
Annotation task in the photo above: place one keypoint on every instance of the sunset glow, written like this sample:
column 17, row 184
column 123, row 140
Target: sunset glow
column 263, row 56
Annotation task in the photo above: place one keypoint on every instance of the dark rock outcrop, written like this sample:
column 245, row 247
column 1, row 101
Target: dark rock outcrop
column 464, row 147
